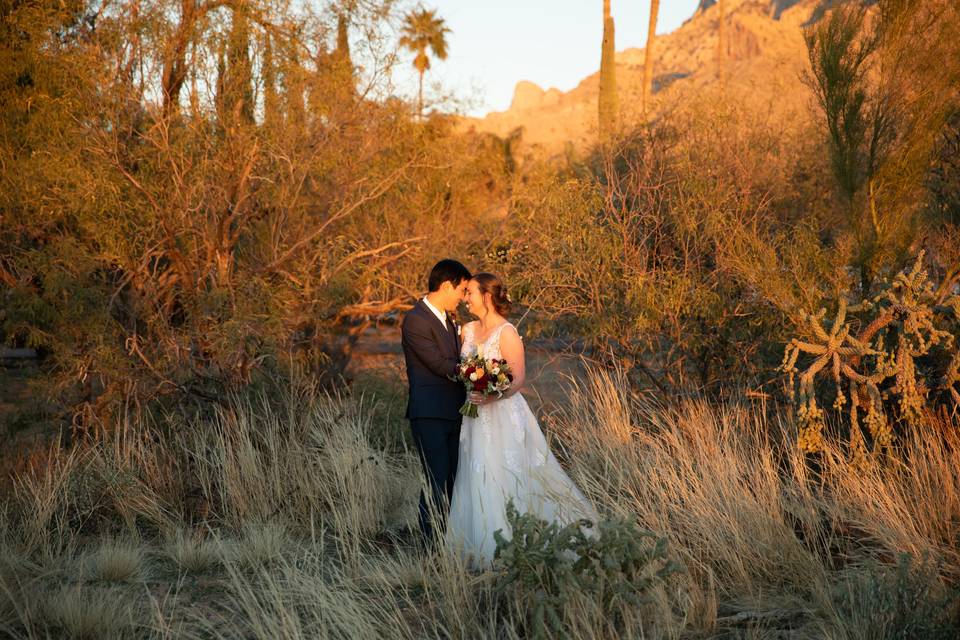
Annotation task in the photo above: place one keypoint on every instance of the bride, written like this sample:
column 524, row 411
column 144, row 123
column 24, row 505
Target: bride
column 503, row 454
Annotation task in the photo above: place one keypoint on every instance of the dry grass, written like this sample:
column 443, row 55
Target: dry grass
column 757, row 531
column 191, row 553
column 88, row 613
column 262, row 543
column 291, row 542
column 114, row 562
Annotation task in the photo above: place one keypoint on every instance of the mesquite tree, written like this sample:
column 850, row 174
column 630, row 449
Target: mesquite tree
column 154, row 252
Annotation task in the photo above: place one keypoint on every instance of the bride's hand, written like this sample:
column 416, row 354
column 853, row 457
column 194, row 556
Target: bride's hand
column 478, row 398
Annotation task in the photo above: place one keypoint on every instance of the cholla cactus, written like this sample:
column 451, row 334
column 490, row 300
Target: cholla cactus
column 906, row 316
column 951, row 379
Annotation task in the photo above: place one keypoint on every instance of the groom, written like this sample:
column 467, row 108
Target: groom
column 431, row 348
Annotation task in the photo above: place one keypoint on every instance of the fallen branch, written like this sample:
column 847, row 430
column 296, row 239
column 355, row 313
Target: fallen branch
column 373, row 308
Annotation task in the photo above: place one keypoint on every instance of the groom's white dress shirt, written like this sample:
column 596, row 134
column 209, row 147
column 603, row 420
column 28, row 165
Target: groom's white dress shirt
column 441, row 315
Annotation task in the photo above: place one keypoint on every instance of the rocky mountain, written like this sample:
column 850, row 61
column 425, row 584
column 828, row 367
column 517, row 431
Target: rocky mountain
column 765, row 57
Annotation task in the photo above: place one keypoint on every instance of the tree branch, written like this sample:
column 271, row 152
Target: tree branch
column 345, row 211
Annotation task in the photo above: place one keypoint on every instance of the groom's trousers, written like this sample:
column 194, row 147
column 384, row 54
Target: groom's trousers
column 438, row 443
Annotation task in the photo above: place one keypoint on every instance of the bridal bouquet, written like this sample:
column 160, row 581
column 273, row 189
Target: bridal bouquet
column 484, row 376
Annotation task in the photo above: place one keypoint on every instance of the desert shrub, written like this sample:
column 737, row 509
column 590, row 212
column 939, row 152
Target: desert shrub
column 908, row 600
column 943, row 180
column 545, row 566
column 670, row 254
column 866, row 68
column 685, row 250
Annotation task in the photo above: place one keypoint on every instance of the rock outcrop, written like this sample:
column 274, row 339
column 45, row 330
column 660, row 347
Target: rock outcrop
column 765, row 57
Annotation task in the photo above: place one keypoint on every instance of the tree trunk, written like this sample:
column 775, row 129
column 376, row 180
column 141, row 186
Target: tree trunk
column 420, row 98
column 175, row 56
column 292, row 76
column 174, row 64
column 342, row 53
column 721, row 43
column 343, row 63
column 608, row 78
column 239, row 80
column 272, row 115
column 648, row 56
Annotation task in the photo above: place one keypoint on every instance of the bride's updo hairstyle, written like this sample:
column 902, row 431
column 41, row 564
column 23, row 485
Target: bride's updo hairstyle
column 489, row 283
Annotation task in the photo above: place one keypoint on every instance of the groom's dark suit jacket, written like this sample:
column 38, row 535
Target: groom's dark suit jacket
column 431, row 352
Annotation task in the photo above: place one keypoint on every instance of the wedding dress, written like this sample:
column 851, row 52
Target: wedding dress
column 504, row 456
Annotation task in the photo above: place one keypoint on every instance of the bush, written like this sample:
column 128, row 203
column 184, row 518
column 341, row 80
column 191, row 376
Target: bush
column 545, row 565
column 908, row 601
column 665, row 256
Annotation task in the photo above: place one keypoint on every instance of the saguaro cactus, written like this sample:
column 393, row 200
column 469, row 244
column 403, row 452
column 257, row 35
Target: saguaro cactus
column 608, row 77
column 648, row 55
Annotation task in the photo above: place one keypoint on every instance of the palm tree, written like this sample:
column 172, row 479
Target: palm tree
column 648, row 55
column 423, row 30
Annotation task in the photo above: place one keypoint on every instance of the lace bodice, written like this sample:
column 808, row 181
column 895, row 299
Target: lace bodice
column 491, row 346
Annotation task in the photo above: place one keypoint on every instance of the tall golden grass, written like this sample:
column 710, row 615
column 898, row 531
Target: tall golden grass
column 277, row 518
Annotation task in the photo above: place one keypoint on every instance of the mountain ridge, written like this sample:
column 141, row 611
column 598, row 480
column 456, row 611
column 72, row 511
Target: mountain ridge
column 765, row 54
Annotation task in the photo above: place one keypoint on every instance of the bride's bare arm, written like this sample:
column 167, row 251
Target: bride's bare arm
column 511, row 348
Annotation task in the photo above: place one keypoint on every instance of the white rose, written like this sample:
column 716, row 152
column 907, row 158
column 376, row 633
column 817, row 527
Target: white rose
column 473, row 376
column 495, row 371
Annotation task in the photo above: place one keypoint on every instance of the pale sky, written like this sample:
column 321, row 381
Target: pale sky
column 554, row 43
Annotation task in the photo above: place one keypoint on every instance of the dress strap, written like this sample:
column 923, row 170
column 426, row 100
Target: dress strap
column 498, row 331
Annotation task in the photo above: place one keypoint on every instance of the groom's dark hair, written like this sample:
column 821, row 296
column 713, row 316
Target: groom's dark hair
column 447, row 270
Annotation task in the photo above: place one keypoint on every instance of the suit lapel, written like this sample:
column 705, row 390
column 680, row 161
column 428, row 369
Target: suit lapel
column 430, row 315
column 453, row 330
column 444, row 331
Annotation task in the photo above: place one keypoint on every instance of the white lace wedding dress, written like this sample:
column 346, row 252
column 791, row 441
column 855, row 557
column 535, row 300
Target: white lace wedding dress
column 504, row 456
